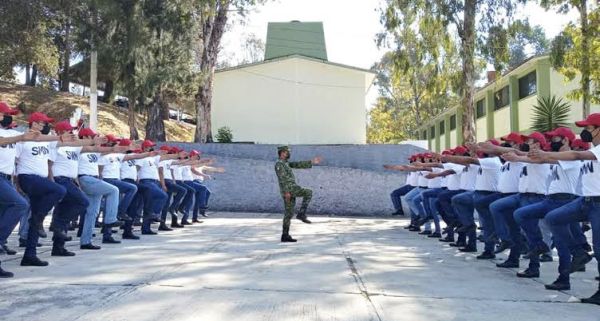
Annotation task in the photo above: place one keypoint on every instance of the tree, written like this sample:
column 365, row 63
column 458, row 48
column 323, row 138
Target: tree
column 550, row 113
column 572, row 50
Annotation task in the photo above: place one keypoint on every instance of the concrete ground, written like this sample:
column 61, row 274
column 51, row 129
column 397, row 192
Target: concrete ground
column 233, row 267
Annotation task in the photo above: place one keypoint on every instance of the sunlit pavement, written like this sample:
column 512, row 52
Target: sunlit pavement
column 233, row 267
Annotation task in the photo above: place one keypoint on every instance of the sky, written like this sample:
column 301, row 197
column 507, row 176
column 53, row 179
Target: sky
column 350, row 27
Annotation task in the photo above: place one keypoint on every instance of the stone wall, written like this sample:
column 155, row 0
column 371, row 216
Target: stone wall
column 350, row 181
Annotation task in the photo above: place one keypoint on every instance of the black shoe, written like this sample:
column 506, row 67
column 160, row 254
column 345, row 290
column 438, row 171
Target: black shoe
column 89, row 247
column 435, row 235
column 546, row 258
column 32, row 261
column 458, row 244
column 538, row 250
column 174, row 223
column 415, row 229
column 110, row 240
column 408, row 227
column 447, row 239
column 5, row 274
column 164, row 227
column 398, row 212
column 587, row 247
column 486, row 255
column 529, row 274
column 594, row 299
column 97, row 224
column 137, row 223
column 113, row 224
column 130, row 236
column 468, row 249
column 185, row 222
column 425, row 233
column 503, row 246
column 42, row 233
column 197, row 221
column 304, row 219
column 466, row 228
column 155, row 219
column 558, row 286
column 204, row 214
column 8, row 251
column 480, row 238
column 124, row 217
column 598, row 278
column 508, row 264
column 61, row 252
column 59, row 234
column 585, row 227
column 149, row 232
column 580, row 261
column 287, row 238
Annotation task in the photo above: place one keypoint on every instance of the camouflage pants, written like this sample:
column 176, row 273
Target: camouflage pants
column 296, row 191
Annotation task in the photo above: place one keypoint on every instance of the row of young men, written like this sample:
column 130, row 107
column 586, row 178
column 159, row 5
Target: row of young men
column 74, row 175
column 531, row 193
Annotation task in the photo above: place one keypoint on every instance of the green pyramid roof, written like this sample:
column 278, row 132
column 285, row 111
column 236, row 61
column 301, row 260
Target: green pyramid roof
column 295, row 38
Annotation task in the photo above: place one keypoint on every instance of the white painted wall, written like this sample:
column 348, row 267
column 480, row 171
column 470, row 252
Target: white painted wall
column 481, row 124
column 561, row 87
column 292, row 101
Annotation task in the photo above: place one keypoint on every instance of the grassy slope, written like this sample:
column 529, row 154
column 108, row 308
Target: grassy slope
column 58, row 105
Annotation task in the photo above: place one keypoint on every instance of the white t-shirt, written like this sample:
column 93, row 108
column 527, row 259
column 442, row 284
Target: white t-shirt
column 111, row 165
column 8, row 152
column 148, row 167
column 590, row 175
column 166, row 166
column 534, row 179
column 564, row 177
column 177, row 172
column 434, row 182
column 412, row 179
column 32, row 157
column 187, row 174
column 508, row 181
column 488, row 174
column 129, row 170
column 422, row 181
column 65, row 161
column 88, row 164
column 453, row 181
column 468, row 177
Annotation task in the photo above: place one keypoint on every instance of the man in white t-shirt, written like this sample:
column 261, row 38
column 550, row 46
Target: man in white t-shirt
column 586, row 207
column 151, row 188
column 397, row 194
column 175, row 192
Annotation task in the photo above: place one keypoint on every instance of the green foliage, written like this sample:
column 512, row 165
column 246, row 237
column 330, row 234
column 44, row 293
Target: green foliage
column 550, row 113
column 224, row 135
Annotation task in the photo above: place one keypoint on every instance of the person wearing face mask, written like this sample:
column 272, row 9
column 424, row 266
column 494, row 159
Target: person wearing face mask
column 586, row 207
column 290, row 190
column 414, row 198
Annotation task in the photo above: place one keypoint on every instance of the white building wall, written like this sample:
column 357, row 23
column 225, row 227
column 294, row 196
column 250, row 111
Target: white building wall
column 292, row 101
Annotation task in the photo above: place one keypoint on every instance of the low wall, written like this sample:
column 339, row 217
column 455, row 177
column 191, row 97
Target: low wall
column 350, row 181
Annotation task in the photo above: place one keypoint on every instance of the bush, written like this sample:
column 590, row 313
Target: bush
column 550, row 113
column 224, row 135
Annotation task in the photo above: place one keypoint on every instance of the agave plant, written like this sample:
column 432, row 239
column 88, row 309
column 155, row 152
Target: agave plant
column 550, row 113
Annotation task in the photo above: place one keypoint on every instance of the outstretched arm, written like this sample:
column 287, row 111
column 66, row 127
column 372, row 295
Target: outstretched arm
column 561, row 156
column 512, row 157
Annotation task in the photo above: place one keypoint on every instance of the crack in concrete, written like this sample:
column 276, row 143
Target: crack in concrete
column 465, row 298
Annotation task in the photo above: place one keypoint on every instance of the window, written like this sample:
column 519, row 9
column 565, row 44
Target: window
column 481, row 111
column 432, row 132
column 453, row 122
column 424, row 135
column 527, row 85
column 501, row 98
column 442, row 127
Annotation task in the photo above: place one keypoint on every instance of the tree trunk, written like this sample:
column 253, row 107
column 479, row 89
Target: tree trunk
column 66, row 59
column 203, row 107
column 133, row 133
column 585, row 58
column 108, row 91
column 155, row 126
column 468, row 70
column 34, row 73
column 27, row 74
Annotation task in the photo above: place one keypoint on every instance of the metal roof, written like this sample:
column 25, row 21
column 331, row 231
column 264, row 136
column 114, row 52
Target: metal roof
column 295, row 38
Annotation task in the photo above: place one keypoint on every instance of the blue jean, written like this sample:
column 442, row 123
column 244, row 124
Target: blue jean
column 201, row 196
column 95, row 189
column 507, row 228
column 463, row 204
column 187, row 202
column 73, row 205
column 126, row 189
column 429, row 200
column 397, row 194
column 560, row 220
column 444, row 200
column 528, row 218
column 135, row 208
column 481, row 202
column 415, row 203
column 43, row 196
column 154, row 200
column 13, row 207
column 175, row 195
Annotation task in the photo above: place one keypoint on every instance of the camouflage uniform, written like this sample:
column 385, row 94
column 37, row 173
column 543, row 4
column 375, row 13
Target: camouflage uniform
column 287, row 184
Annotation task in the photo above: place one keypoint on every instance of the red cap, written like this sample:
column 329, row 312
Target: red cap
column 427, row 155
column 166, row 148
column 513, row 137
column 563, row 132
column 194, row 153
column 112, row 138
column 148, row 143
column 578, row 143
column 125, row 142
column 448, row 152
column 38, row 117
column 460, row 150
column 537, row 136
column 494, row 142
column 63, row 126
column 87, row 132
column 593, row 119
column 5, row 109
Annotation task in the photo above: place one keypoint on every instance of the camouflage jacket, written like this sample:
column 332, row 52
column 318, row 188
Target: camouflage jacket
column 284, row 172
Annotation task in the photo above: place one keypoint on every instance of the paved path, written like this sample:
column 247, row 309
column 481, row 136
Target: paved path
column 233, row 267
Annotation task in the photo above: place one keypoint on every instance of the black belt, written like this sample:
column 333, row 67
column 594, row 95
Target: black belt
column 6, row 176
column 591, row 199
column 530, row 194
column 88, row 176
column 485, row 192
column 562, row 196
column 64, row 177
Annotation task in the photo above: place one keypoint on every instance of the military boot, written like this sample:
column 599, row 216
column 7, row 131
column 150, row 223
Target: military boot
column 285, row 236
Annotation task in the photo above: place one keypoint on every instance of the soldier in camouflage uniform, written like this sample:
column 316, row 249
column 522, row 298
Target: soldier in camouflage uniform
column 290, row 190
